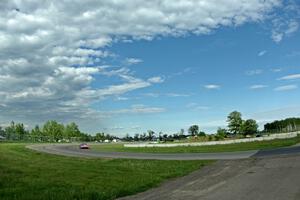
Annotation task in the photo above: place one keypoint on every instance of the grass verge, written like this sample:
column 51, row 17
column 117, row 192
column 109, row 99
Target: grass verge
column 25, row 174
column 201, row 149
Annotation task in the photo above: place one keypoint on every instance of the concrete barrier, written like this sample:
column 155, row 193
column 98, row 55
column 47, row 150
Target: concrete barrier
column 263, row 138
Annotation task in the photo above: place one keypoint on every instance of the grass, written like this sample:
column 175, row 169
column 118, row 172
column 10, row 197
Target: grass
column 201, row 149
column 25, row 174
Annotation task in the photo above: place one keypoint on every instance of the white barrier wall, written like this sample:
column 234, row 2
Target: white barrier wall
column 263, row 138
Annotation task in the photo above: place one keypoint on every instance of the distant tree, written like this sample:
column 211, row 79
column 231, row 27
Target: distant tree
column 20, row 130
column 10, row 131
column 127, row 137
column 181, row 132
column 71, row 130
column 249, row 127
column 221, row 133
column 53, row 129
column 286, row 125
column 201, row 134
column 150, row 134
column 36, row 133
column 165, row 137
column 2, row 131
column 193, row 130
column 143, row 137
column 136, row 137
column 235, row 122
column 100, row 136
column 160, row 136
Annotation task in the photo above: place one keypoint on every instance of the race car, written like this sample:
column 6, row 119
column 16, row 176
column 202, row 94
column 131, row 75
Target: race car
column 84, row 146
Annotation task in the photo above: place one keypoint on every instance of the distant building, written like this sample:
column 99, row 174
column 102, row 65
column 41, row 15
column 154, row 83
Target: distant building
column 2, row 137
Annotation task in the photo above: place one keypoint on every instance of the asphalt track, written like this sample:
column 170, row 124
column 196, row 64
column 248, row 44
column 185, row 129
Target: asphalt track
column 74, row 151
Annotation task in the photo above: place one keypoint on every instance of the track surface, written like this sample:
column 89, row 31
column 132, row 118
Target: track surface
column 73, row 150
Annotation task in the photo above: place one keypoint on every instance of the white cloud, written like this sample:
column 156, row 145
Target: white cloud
column 277, row 113
column 255, row 87
column 261, row 53
column 293, row 26
column 286, row 88
column 212, row 87
column 277, row 36
column 166, row 94
column 284, row 28
column 197, row 107
column 254, row 72
column 133, row 61
column 290, row 77
column 151, row 94
column 156, row 79
column 137, row 109
column 177, row 95
column 275, row 70
column 287, row 23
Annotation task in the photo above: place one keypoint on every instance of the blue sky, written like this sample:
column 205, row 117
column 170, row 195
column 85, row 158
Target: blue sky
column 244, row 62
column 159, row 65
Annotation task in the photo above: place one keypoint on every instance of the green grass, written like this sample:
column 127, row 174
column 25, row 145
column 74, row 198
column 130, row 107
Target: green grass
column 26, row 174
column 201, row 149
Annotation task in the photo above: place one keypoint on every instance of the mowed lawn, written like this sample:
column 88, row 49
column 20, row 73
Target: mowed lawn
column 201, row 149
column 25, row 174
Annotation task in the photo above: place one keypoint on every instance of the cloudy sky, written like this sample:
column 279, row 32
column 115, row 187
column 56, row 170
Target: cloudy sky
column 124, row 66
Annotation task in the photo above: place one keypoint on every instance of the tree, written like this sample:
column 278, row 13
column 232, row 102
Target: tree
column 127, row 137
column 100, row 136
column 10, row 131
column 71, row 130
column 20, row 130
column 201, row 134
column 2, row 131
column 136, row 137
column 221, row 133
column 235, row 122
column 249, row 127
column 181, row 132
column 151, row 134
column 286, row 125
column 193, row 130
column 36, row 133
column 53, row 129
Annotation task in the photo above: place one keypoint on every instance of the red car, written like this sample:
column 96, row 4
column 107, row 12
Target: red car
column 84, row 146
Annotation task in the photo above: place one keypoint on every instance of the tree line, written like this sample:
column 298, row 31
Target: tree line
column 53, row 131
column 286, row 125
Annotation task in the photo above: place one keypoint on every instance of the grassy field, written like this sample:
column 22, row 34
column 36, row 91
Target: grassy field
column 201, row 149
column 25, row 174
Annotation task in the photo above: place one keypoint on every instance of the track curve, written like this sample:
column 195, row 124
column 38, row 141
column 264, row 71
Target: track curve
column 74, row 151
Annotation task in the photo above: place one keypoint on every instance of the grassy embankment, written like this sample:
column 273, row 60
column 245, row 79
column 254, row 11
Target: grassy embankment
column 25, row 174
column 201, row 149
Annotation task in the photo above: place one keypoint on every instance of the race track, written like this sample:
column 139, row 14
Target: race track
column 74, row 151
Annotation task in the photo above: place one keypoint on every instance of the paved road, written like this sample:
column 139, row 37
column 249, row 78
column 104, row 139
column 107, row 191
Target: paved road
column 73, row 150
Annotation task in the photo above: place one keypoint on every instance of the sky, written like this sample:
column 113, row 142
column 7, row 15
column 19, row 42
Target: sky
column 129, row 66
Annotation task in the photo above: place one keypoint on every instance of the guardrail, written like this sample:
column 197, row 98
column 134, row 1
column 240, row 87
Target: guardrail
column 263, row 138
